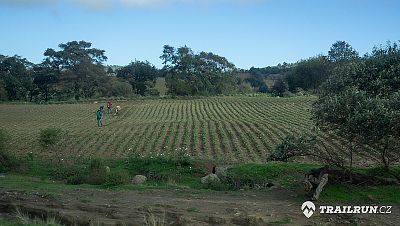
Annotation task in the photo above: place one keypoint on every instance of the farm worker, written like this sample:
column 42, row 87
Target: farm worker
column 117, row 109
column 109, row 107
column 99, row 117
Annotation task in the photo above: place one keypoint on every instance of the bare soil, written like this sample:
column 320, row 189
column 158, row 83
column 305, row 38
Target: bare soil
column 177, row 207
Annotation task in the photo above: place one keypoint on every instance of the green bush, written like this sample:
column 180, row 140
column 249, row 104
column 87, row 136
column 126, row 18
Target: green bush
column 291, row 147
column 218, row 186
column 50, row 136
column 96, row 164
column 96, row 177
column 252, row 175
column 4, row 158
column 117, row 177
column 161, row 167
column 97, row 172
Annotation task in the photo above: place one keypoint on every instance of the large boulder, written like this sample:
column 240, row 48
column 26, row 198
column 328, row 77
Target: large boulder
column 139, row 179
column 210, row 178
column 221, row 172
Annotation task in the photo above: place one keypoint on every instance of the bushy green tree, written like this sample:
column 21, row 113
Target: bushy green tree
column 122, row 89
column 80, row 68
column 16, row 77
column 141, row 75
column 205, row 73
column 359, row 101
column 342, row 51
column 45, row 78
column 309, row 74
column 3, row 92
column 279, row 88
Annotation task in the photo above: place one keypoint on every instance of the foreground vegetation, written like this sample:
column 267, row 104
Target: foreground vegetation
column 183, row 173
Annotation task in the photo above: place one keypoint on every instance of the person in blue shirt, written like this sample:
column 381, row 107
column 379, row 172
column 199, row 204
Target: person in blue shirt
column 99, row 117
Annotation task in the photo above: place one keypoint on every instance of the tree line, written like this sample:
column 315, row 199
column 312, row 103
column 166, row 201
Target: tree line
column 77, row 71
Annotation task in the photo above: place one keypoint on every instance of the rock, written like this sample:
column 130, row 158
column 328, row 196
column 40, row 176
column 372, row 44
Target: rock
column 139, row 179
column 210, row 178
column 221, row 172
column 108, row 170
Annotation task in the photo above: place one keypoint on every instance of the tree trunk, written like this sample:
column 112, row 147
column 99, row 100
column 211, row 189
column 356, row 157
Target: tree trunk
column 351, row 161
column 385, row 159
column 46, row 94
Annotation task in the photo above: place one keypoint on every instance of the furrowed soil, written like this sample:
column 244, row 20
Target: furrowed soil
column 276, row 206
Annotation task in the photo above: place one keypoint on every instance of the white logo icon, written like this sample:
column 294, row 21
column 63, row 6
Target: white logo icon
column 308, row 208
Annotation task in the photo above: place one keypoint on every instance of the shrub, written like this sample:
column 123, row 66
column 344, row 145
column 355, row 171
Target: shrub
column 77, row 177
column 306, row 145
column 279, row 88
column 263, row 88
column 117, row 177
column 183, row 160
column 97, row 172
column 291, row 147
column 121, row 88
column 5, row 161
column 50, row 136
column 160, row 167
column 73, row 174
column 217, row 186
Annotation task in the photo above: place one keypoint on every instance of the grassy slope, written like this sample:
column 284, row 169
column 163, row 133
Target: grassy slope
column 287, row 175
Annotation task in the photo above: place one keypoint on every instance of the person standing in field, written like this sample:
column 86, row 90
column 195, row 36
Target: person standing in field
column 117, row 110
column 109, row 107
column 99, row 117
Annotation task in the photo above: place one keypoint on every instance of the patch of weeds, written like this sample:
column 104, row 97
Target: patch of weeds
column 254, row 175
column 7, row 161
column 85, row 200
column 393, row 172
column 217, row 186
column 365, row 194
column 153, row 219
column 117, row 177
column 281, row 222
column 26, row 219
column 162, row 168
column 50, row 136
column 193, row 210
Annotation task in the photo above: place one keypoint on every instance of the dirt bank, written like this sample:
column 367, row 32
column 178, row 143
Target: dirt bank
column 177, row 207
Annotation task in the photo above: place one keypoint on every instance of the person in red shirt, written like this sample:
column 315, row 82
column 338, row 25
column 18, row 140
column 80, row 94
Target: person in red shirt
column 109, row 107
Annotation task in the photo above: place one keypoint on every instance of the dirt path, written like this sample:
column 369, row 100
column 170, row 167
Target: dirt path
column 177, row 207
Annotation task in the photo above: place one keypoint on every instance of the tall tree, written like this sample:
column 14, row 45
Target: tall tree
column 17, row 77
column 360, row 101
column 81, row 69
column 340, row 51
column 141, row 75
column 279, row 88
column 309, row 74
column 197, row 74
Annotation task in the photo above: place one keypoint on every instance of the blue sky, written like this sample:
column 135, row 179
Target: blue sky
column 248, row 33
